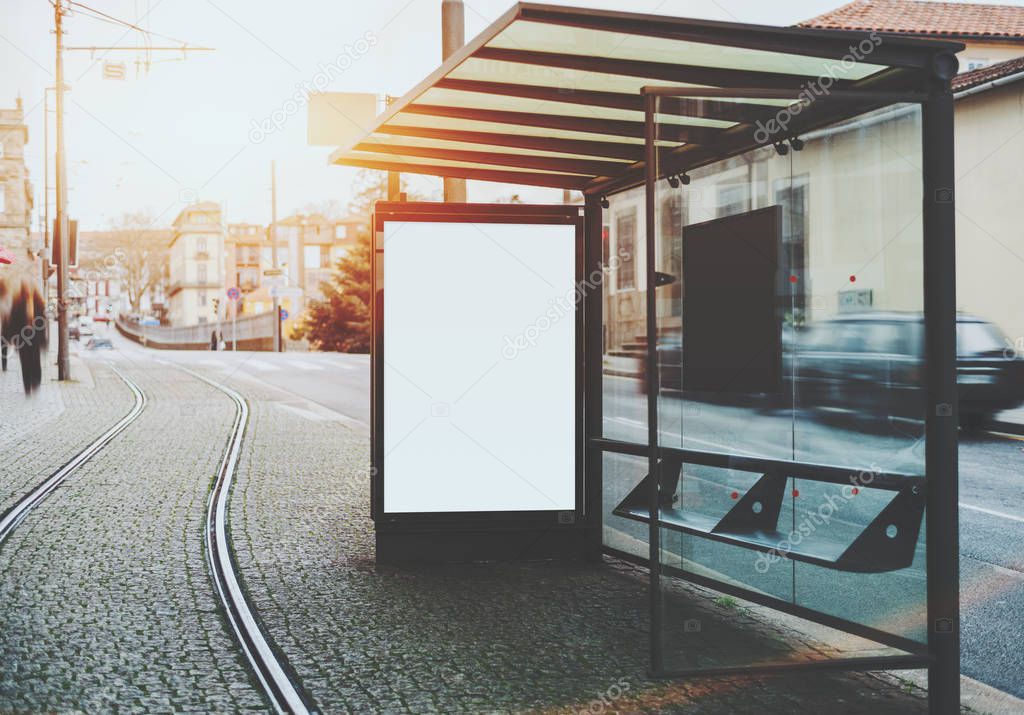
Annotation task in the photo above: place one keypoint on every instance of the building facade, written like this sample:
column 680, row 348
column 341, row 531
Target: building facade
column 16, row 194
column 989, row 94
column 195, row 291
column 314, row 243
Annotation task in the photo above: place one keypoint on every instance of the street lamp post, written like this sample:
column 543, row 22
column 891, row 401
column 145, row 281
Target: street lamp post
column 62, row 237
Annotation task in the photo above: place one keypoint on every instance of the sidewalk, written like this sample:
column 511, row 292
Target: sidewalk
column 41, row 432
column 500, row 637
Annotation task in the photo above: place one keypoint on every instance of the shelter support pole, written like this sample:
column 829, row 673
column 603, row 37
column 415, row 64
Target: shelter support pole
column 654, row 544
column 453, row 37
column 941, row 421
column 593, row 220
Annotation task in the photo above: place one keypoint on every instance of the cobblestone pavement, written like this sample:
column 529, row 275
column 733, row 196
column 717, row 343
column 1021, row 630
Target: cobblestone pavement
column 105, row 598
column 40, row 433
column 536, row 637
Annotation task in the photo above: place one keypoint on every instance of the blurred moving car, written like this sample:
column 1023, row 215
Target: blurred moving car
column 99, row 344
column 85, row 325
column 872, row 364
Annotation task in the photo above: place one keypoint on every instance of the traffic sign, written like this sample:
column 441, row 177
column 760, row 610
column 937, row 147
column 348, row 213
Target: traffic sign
column 234, row 293
column 285, row 292
column 284, row 314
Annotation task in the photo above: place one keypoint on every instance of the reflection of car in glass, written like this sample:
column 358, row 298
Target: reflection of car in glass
column 872, row 363
column 99, row 344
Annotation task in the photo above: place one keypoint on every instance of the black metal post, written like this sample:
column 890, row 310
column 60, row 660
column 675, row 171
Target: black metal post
column 651, row 178
column 593, row 220
column 941, row 421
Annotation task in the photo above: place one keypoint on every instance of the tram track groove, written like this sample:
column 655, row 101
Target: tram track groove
column 271, row 667
column 10, row 519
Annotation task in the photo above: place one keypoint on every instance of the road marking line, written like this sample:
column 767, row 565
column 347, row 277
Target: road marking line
column 307, row 414
column 260, row 365
column 1006, row 435
column 992, row 512
column 303, row 365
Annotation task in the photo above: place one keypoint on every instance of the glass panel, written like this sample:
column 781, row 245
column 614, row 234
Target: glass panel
column 621, row 474
column 478, row 100
column 494, row 71
column 411, row 161
column 789, row 331
column 543, row 37
column 423, row 120
column 624, row 335
column 395, row 139
column 855, row 359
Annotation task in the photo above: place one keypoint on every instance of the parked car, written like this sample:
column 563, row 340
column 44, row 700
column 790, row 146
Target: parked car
column 73, row 332
column 99, row 344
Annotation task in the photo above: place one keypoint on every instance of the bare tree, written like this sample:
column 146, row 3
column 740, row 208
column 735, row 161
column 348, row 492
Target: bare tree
column 132, row 251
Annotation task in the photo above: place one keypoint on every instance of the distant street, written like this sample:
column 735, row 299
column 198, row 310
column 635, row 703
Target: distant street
column 347, row 391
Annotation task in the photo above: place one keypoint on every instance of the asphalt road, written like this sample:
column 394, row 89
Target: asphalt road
column 991, row 514
column 337, row 381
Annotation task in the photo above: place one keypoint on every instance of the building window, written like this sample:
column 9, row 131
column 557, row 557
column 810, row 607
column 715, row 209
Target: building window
column 3, row 199
column 671, row 248
column 625, row 250
column 201, row 273
column 311, row 256
column 201, row 244
column 791, row 195
column 340, row 232
column 202, row 299
column 733, row 199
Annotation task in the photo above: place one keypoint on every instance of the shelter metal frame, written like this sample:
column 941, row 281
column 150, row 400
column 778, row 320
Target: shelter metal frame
column 654, row 117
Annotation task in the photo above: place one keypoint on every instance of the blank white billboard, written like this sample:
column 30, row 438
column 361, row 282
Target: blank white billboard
column 479, row 367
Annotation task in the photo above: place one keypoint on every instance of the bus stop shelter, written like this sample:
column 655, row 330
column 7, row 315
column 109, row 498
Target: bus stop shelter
column 761, row 391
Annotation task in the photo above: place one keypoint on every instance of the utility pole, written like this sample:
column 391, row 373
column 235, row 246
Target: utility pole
column 46, row 203
column 453, row 36
column 62, row 234
column 273, row 253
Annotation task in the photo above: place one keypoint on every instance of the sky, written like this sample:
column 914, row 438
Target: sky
column 183, row 128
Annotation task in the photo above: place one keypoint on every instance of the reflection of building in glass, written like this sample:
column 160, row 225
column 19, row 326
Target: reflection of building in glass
column 989, row 142
column 831, row 253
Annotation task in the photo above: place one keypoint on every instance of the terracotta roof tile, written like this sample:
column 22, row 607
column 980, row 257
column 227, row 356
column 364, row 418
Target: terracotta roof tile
column 980, row 76
column 914, row 17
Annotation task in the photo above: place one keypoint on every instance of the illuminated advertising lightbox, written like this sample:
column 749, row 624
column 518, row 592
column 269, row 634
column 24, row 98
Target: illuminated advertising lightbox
column 476, row 366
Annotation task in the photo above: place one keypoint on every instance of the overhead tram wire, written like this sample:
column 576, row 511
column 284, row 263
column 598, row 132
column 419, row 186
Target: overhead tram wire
column 147, row 35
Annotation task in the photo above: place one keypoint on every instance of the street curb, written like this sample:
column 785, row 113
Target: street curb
column 975, row 695
column 1008, row 427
